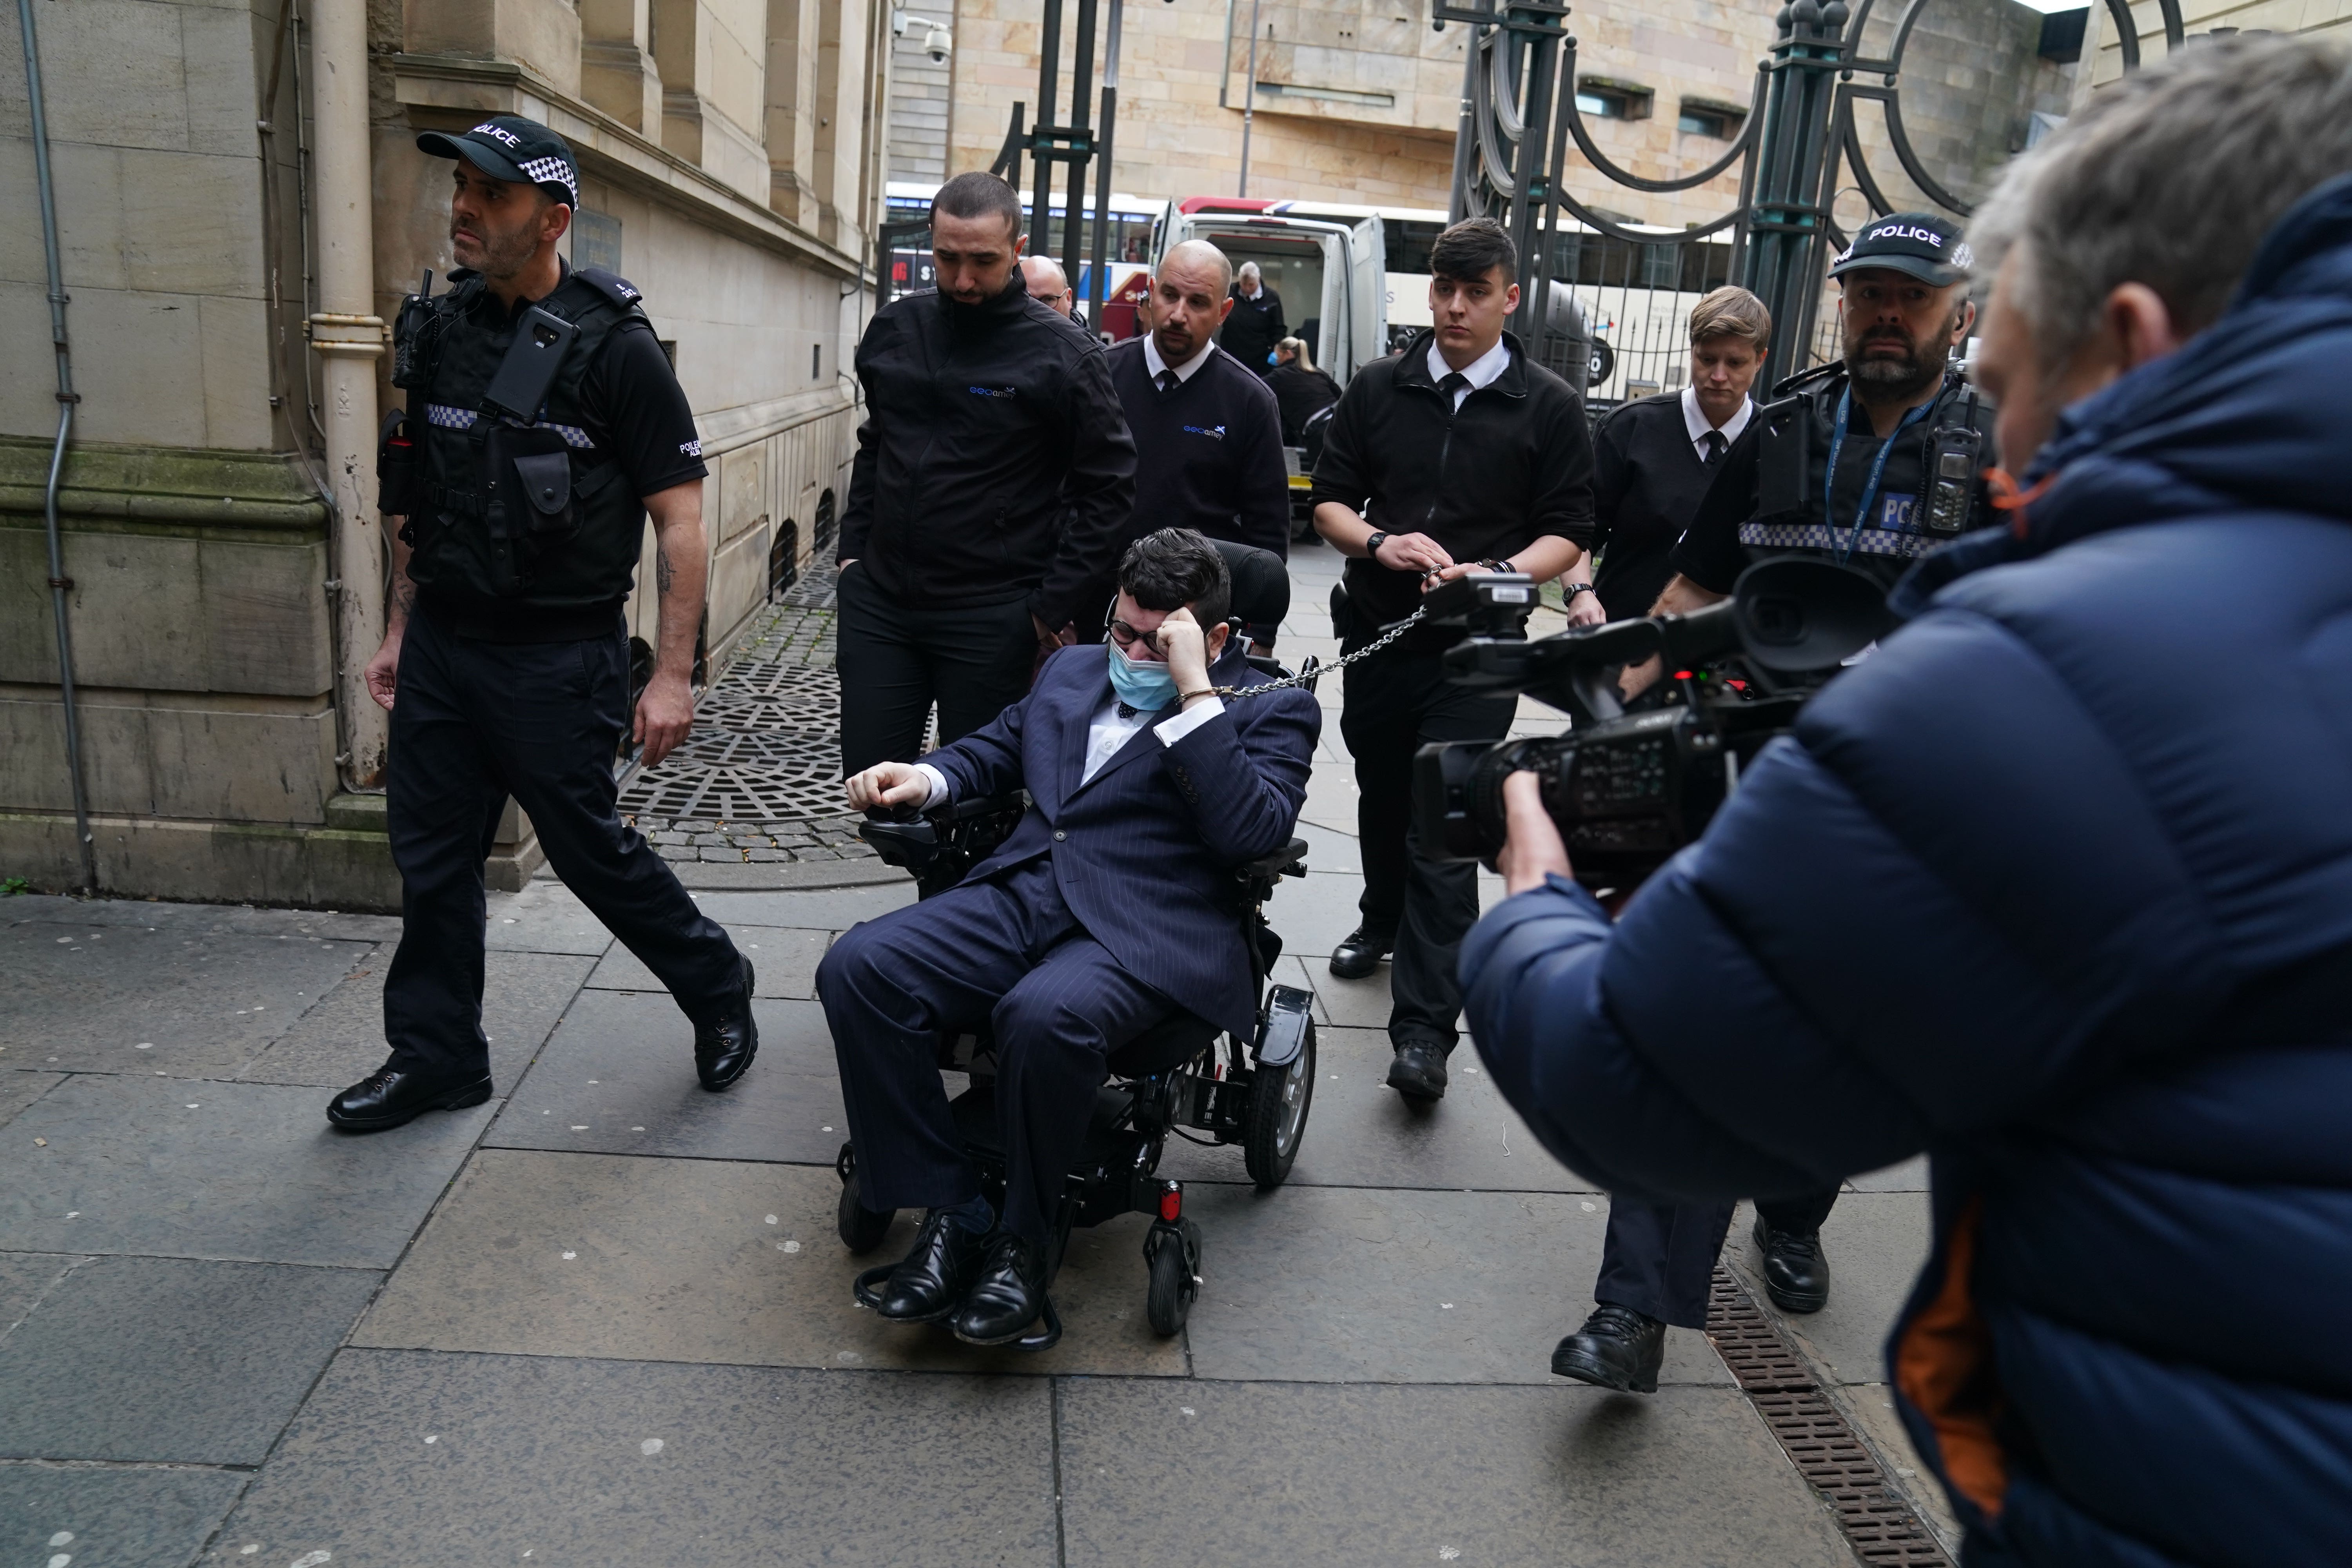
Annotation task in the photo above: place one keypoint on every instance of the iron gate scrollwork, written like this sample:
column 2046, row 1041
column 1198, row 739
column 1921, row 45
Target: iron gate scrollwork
column 1520, row 113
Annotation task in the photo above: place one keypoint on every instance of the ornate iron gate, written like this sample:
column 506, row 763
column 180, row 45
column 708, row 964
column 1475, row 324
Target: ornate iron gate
column 1520, row 113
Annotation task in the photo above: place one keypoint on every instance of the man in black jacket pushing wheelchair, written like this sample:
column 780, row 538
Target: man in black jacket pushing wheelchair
column 1107, row 910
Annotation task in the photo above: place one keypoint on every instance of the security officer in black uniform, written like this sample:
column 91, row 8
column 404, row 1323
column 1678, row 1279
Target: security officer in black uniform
column 543, row 423
column 1869, row 462
column 1456, row 456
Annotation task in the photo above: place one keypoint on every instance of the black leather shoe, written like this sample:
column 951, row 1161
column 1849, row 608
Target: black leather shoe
column 725, row 1046
column 1360, row 953
column 1796, row 1274
column 1009, row 1296
column 1617, row 1348
column 390, row 1097
column 1419, row 1072
column 930, row 1281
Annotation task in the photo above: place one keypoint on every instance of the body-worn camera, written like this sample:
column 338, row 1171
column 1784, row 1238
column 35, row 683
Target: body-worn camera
column 1629, row 788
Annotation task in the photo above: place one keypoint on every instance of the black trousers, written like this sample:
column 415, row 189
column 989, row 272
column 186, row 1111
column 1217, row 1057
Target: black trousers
column 895, row 662
column 1007, row 954
column 1658, row 1258
column 472, row 723
column 1396, row 702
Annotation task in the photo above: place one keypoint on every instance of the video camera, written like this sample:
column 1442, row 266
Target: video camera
column 1629, row 788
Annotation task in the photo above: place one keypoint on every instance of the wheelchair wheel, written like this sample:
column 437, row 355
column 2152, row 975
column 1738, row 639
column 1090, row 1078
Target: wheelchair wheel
column 861, row 1229
column 1168, row 1301
column 1278, row 1102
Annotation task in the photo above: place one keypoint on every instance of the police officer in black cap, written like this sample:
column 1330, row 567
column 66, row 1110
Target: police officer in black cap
column 1868, row 462
column 544, row 424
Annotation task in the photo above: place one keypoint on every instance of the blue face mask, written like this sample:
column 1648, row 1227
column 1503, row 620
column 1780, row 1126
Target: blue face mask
column 1144, row 685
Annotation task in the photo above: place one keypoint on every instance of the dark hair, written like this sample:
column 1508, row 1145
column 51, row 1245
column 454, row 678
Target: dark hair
column 977, row 194
column 1175, row 567
column 1472, row 248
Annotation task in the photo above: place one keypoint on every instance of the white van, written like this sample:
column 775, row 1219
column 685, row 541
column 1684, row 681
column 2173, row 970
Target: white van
column 1328, row 264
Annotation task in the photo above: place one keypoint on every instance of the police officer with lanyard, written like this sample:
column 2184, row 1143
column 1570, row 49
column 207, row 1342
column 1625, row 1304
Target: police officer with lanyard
column 1869, row 462
column 543, row 423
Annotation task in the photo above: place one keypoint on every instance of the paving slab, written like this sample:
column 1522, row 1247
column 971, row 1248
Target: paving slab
column 190, row 919
column 1331, row 850
column 1910, row 1176
column 1331, row 796
column 111, row 1517
column 1362, row 1133
column 618, row 1075
column 600, row 1462
column 783, row 962
column 1875, row 1243
column 1359, row 1285
column 544, row 917
column 88, row 998
column 1314, row 912
column 25, row 1279
column 238, row 1171
column 830, row 908
column 1195, row 1473
column 19, row 1089
column 169, row 1359
column 595, row 1254
column 341, row 1040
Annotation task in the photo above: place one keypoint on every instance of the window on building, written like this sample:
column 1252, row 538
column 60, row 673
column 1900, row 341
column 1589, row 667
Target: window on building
column 1600, row 99
column 1720, row 121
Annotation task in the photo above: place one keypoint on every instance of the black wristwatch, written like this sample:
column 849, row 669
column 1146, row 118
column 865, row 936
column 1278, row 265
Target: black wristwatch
column 1568, row 591
column 1372, row 545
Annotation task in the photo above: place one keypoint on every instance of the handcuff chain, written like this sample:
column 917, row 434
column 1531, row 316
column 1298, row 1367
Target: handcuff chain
column 1319, row 671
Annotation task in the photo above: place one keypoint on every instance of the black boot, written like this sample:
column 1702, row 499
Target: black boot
column 1419, row 1072
column 392, row 1095
column 1617, row 1348
column 1795, row 1274
column 725, row 1046
column 1009, row 1294
column 930, row 1281
column 1360, row 953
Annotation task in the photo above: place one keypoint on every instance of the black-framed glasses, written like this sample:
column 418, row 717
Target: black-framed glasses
column 1127, row 637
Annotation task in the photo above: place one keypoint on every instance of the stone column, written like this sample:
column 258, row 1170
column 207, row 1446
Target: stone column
column 349, row 337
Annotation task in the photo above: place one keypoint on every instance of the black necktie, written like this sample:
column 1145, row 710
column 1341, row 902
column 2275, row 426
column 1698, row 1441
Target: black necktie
column 1715, row 446
column 1167, row 381
column 1454, row 384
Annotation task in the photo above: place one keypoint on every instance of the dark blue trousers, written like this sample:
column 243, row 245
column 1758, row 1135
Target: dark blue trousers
column 1006, row 953
column 1658, row 1258
column 472, row 723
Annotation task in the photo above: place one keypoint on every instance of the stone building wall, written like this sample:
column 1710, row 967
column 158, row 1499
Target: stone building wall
column 730, row 161
column 922, row 93
column 2103, row 55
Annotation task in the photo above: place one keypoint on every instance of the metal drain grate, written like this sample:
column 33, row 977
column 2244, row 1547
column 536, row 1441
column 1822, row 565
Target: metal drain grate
column 1878, row 1523
column 766, row 748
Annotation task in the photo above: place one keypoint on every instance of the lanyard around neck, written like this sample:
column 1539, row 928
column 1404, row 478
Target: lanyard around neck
column 1877, row 470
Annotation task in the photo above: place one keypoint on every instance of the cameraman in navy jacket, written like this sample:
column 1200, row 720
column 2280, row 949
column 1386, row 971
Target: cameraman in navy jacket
column 2057, row 884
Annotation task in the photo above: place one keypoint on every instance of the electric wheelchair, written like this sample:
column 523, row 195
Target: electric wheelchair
column 1182, row 1072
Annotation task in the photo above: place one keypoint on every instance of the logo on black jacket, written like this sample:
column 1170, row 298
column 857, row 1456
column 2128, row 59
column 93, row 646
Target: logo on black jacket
column 994, row 390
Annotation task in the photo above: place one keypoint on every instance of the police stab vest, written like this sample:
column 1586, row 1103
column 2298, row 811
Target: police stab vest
column 511, row 511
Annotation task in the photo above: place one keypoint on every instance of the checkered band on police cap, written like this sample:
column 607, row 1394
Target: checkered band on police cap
column 553, row 171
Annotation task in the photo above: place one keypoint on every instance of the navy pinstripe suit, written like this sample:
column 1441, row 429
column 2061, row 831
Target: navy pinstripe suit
column 1108, row 908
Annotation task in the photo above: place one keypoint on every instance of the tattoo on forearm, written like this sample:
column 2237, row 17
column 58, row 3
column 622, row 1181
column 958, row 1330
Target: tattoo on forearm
column 404, row 593
column 663, row 572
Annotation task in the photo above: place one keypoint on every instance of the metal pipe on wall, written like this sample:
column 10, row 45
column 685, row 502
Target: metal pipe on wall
column 349, row 337
column 1096, row 283
column 59, row 584
column 1249, row 104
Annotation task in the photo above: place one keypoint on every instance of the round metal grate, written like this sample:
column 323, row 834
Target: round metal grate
column 766, row 748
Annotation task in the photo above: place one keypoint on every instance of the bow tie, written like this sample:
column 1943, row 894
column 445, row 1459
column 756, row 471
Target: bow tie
column 1127, row 712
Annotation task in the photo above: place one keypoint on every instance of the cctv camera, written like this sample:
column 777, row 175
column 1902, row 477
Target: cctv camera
column 937, row 42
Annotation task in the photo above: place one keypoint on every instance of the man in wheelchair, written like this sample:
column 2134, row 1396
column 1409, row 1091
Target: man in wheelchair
column 1107, row 910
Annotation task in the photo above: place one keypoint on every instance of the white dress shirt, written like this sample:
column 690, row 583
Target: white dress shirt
column 1481, row 372
column 1106, row 738
column 1155, row 365
column 1695, row 422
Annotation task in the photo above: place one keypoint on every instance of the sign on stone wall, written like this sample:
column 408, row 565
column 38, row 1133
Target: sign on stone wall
column 595, row 240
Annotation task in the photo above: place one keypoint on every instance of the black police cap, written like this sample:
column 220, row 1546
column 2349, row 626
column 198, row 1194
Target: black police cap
column 508, row 147
column 1924, row 244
